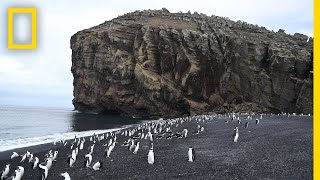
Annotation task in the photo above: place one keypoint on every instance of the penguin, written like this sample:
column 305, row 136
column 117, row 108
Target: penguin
column 109, row 150
column 110, row 142
column 31, row 158
column 28, row 154
column 66, row 176
column 132, row 146
column 136, row 148
column 14, row 155
column 43, row 172
column 235, row 134
column 246, row 125
column 142, row 136
column 239, row 121
column 97, row 166
column 74, row 154
column 151, row 157
column 185, row 132
column 88, row 160
column 54, row 157
column 4, row 173
column 202, row 129
column 151, row 146
column 191, row 154
column 18, row 173
column 71, row 161
column 115, row 139
column 150, row 136
column 257, row 121
column 48, row 163
column 23, row 157
column 78, row 143
column 35, row 163
column 81, row 145
column 91, row 148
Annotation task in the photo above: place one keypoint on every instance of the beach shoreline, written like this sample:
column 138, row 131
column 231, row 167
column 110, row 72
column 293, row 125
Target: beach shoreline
column 276, row 148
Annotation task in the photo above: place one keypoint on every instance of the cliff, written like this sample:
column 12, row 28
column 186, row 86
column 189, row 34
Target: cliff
column 159, row 63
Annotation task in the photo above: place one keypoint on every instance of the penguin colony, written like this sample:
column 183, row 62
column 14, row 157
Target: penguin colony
column 148, row 132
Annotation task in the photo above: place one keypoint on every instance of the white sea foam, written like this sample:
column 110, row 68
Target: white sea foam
column 8, row 144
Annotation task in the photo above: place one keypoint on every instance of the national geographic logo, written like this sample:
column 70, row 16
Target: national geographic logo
column 16, row 42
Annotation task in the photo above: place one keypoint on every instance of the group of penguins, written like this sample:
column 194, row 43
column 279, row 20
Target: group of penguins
column 146, row 131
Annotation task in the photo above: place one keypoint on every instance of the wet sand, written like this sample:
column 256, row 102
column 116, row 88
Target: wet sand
column 276, row 148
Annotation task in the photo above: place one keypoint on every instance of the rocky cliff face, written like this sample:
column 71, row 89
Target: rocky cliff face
column 171, row 64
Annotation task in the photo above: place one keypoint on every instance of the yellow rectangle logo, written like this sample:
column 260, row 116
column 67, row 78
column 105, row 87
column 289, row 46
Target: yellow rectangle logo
column 33, row 12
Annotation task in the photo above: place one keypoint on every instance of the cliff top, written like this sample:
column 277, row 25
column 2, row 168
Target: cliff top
column 203, row 23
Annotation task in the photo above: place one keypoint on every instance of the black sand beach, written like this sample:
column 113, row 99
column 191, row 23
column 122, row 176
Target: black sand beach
column 276, row 148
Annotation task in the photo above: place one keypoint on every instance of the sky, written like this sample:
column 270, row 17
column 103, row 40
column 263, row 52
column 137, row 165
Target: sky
column 42, row 77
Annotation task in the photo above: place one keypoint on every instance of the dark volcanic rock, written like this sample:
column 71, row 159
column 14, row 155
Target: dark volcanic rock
column 169, row 64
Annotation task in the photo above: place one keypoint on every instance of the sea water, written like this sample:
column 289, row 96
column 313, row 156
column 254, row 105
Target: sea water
column 28, row 126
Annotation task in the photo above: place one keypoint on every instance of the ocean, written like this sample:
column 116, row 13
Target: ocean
column 28, row 126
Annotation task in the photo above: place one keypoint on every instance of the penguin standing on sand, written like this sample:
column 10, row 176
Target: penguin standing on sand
column 246, row 125
column 150, row 136
column 235, row 134
column 31, row 158
column 4, row 173
column 185, row 132
column 48, row 163
column 132, row 145
column 191, row 154
column 111, row 147
column 66, row 176
column 43, row 172
column 81, row 145
column 136, row 148
column 71, row 161
column 88, row 160
column 151, row 157
column 35, row 163
column 257, row 121
column 91, row 148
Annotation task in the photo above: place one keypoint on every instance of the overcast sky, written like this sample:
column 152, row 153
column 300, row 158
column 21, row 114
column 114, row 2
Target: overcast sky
column 42, row 77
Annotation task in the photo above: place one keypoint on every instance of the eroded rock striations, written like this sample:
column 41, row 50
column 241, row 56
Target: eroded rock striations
column 159, row 63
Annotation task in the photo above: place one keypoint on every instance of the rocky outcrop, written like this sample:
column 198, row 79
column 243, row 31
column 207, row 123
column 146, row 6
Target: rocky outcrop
column 159, row 63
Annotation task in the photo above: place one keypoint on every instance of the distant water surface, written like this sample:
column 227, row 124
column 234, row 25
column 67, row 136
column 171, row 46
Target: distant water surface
column 26, row 126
